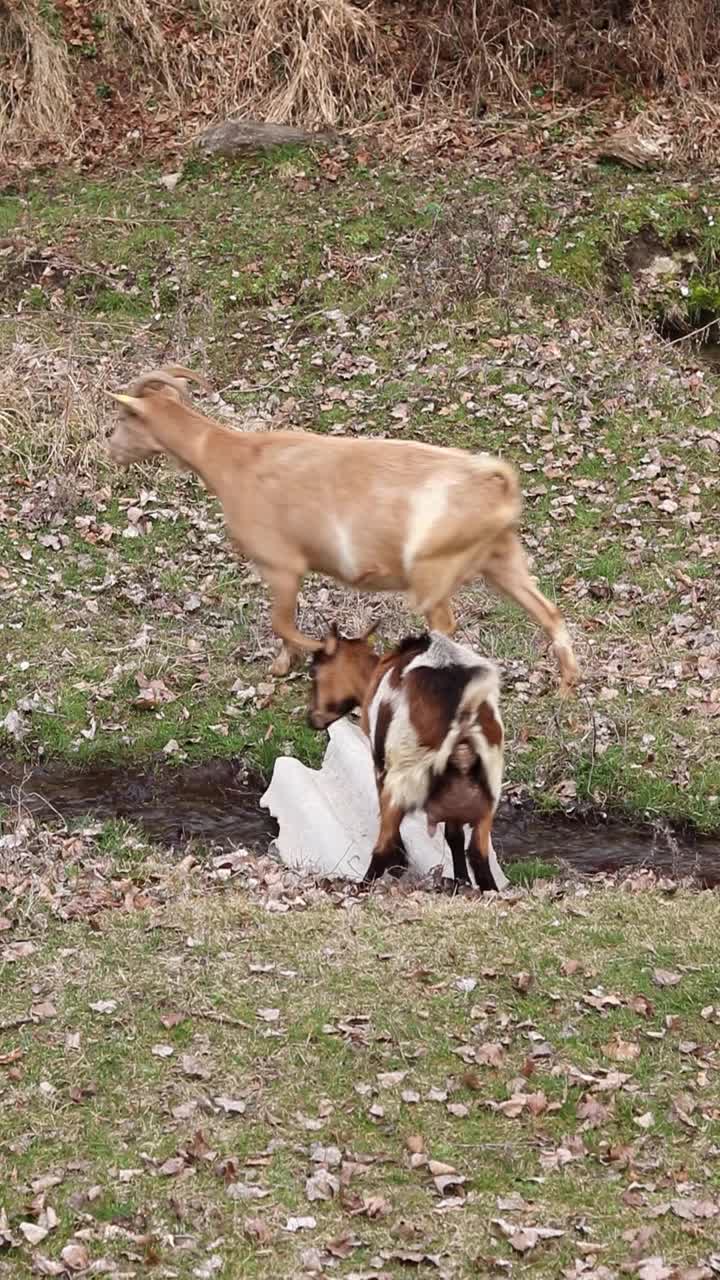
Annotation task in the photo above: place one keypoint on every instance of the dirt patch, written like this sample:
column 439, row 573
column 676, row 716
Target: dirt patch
column 218, row 802
column 642, row 249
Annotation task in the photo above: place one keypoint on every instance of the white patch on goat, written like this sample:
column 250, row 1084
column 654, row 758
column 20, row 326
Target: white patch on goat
column 383, row 693
column 346, row 558
column 408, row 765
column 428, row 505
column 444, row 652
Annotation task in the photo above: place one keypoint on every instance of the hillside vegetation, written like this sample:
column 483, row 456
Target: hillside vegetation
column 80, row 80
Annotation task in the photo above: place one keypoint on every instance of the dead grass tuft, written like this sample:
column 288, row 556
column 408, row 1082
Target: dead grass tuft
column 54, row 409
column 333, row 62
column 36, row 81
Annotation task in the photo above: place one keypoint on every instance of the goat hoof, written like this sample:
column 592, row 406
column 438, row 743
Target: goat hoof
column 281, row 666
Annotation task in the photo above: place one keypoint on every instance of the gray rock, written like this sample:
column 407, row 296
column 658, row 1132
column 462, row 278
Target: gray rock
column 240, row 137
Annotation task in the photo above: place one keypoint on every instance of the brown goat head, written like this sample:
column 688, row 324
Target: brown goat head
column 340, row 672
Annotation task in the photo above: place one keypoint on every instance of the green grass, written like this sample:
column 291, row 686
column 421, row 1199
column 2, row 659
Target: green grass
column 88, row 1098
column 386, row 302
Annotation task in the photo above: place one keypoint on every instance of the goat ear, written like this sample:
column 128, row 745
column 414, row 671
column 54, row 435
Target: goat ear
column 133, row 403
column 371, row 630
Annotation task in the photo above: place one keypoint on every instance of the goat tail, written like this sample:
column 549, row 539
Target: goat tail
column 505, row 505
column 463, row 756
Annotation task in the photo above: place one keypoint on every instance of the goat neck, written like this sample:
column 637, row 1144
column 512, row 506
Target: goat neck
column 191, row 439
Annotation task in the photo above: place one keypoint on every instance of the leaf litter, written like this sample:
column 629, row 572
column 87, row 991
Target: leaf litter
column 475, row 1098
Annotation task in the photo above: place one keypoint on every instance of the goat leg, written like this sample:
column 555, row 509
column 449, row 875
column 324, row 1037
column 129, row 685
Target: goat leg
column 455, row 836
column 284, row 587
column 441, row 618
column 507, row 571
column 478, row 854
column 389, row 852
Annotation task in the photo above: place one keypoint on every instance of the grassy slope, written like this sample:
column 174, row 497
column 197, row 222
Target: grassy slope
column 455, row 309
column 298, row 1004
column 610, row 1038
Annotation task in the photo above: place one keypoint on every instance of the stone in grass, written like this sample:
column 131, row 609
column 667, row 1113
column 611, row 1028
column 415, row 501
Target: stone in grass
column 239, row 137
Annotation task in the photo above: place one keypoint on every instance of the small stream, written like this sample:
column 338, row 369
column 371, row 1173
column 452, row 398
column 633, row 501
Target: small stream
column 218, row 802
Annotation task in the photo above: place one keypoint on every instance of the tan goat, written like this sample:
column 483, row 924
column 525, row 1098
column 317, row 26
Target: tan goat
column 378, row 515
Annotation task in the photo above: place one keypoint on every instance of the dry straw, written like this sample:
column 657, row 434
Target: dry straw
column 337, row 62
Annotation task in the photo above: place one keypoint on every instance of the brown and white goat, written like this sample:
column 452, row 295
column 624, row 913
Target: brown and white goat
column 430, row 709
column 378, row 515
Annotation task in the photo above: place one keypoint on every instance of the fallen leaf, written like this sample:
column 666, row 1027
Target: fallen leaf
column 258, row 1230
column 522, row 1239
column 47, row 1266
column 449, row 1184
column 32, row 1232
column 268, row 1015
column 666, row 978
column 246, row 1191
column 411, row 1257
column 642, row 1006
column 342, row 1246
column 172, row 1167
column 300, row 1224
column 104, row 1006
column 162, row 1051
column 653, row 1269
column 645, row 1121
column 330, row 1156
column 322, row 1185
column 436, row 1095
column 194, row 1067
column 18, row 951
column 374, row 1206
column 513, row 1203
column 621, row 1050
column 47, row 1181
column 44, row 1010
column 172, row 1019
column 312, row 1260
column 75, row 1257
column 388, row 1079
column 458, row 1109
column 465, row 985
column 522, row 981
column 231, row 1106
column 490, row 1054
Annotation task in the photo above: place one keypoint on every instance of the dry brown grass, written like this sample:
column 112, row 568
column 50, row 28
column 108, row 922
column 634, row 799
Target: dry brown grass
column 330, row 62
column 53, row 401
column 36, row 79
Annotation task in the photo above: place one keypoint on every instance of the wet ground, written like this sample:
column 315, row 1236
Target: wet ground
column 218, row 802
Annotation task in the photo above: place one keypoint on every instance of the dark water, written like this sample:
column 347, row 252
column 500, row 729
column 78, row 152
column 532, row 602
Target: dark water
column 218, row 802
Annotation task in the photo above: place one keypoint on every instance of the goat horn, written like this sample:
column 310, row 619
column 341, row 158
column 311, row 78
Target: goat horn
column 370, row 629
column 169, row 376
